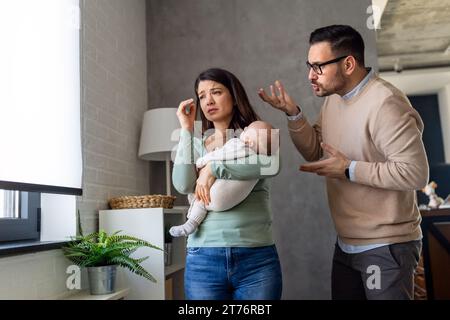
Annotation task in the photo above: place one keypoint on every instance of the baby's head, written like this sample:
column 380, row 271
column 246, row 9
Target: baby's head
column 258, row 136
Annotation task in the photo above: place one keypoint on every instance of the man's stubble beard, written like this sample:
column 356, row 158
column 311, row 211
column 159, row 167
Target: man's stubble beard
column 337, row 85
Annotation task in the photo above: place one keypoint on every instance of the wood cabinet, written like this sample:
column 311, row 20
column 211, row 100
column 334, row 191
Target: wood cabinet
column 150, row 224
column 432, row 279
column 439, row 264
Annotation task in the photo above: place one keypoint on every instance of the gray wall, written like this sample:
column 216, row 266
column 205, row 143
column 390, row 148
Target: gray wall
column 260, row 41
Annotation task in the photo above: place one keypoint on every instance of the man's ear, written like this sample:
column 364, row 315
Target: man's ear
column 350, row 64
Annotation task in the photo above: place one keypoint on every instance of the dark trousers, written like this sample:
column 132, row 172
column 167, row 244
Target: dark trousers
column 384, row 273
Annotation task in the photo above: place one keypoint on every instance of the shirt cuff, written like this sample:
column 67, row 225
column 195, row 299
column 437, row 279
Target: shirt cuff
column 184, row 133
column 214, row 169
column 297, row 116
column 351, row 170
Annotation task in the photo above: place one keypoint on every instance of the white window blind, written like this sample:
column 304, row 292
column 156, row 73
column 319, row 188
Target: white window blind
column 40, row 139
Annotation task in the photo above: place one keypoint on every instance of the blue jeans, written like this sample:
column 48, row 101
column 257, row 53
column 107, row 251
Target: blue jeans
column 238, row 273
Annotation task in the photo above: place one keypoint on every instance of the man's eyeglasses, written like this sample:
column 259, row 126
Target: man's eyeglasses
column 317, row 67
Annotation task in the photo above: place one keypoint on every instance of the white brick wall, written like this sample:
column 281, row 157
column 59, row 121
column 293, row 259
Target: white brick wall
column 34, row 276
column 114, row 100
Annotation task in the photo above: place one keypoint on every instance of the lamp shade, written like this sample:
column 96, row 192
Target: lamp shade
column 157, row 130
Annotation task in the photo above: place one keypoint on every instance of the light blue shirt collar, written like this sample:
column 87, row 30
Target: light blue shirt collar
column 360, row 85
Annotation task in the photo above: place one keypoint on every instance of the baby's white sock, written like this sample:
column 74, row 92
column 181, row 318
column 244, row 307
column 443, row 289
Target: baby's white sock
column 185, row 229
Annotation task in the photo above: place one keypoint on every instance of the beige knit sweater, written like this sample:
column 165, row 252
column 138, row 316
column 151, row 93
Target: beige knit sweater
column 380, row 130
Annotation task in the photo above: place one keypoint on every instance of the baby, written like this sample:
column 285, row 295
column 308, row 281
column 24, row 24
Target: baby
column 225, row 194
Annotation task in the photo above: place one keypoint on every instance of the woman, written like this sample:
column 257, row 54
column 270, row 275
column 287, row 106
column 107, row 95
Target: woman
column 232, row 255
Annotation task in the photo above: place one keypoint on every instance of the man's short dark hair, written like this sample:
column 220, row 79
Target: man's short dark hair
column 344, row 40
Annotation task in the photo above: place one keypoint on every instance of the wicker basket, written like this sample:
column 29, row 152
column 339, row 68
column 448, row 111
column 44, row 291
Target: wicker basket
column 147, row 201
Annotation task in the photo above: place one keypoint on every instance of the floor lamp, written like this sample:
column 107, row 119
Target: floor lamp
column 156, row 142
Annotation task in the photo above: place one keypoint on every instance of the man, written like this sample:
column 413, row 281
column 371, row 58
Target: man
column 374, row 161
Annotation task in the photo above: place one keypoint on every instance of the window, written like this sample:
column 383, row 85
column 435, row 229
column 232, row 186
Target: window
column 40, row 96
column 9, row 205
column 40, row 110
column 19, row 215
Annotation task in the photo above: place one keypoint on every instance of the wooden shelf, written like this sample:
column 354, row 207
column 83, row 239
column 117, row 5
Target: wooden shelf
column 168, row 270
column 176, row 210
column 435, row 212
column 150, row 224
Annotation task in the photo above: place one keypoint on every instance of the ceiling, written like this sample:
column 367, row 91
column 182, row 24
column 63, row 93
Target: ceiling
column 414, row 34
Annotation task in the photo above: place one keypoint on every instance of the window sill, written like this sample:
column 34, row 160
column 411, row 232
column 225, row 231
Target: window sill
column 20, row 247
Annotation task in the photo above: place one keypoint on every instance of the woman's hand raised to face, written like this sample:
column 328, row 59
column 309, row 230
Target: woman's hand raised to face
column 204, row 182
column 186, row 114
column 281, row 101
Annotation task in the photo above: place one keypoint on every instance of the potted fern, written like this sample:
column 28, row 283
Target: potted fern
column 101, row 253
